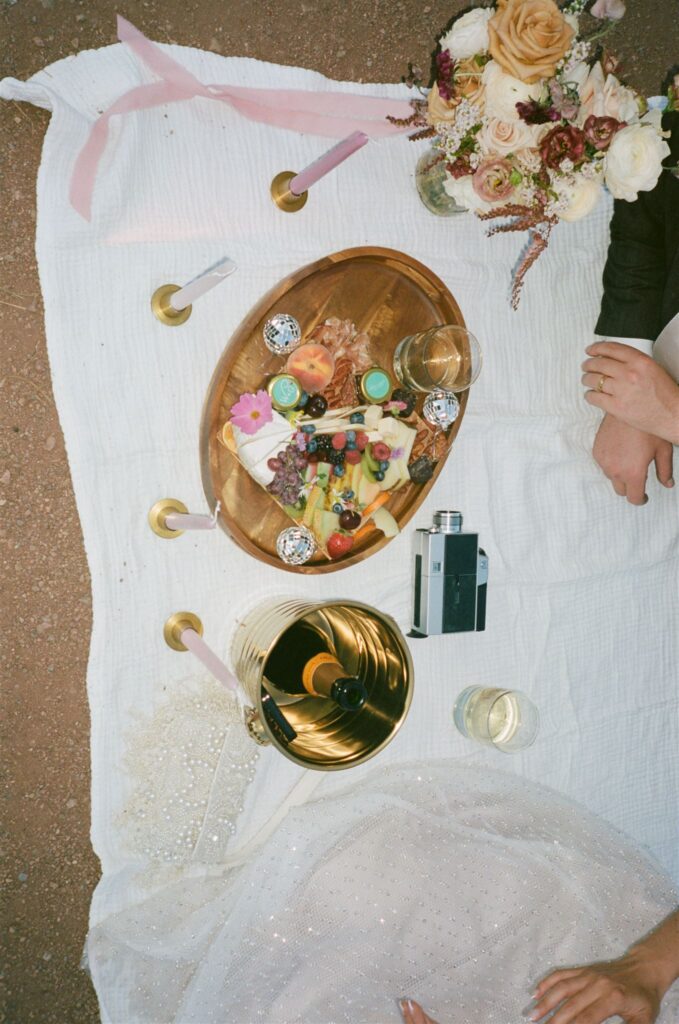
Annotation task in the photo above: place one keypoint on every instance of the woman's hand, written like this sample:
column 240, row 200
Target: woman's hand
column 413, row 1012
column 592, row 994
column 632, row 387
column 625, row 454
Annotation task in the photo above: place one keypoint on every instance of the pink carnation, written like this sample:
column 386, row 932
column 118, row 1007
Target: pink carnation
column 251, row 412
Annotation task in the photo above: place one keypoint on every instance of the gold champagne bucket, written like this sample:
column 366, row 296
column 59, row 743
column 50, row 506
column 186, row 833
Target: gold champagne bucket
column 368, row 644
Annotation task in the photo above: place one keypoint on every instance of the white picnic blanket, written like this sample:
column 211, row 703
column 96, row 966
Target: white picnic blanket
column 583, row 602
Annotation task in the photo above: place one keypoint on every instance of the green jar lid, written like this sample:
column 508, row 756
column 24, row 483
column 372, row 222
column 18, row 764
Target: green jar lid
column 376, row 385
column 285, row 391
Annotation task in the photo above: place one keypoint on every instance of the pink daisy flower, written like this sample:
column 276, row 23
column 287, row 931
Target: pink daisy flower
column 251, row 412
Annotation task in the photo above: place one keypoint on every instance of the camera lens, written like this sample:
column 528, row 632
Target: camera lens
column 448, row 522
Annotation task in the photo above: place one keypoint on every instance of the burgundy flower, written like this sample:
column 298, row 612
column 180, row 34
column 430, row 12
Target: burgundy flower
column 445, row 74
column 533, row 112
column 565, row 142
column 600, row 130
column 460, row 167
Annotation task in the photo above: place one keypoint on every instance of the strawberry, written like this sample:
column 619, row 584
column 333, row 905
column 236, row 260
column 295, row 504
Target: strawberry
column 339, row 544
column 339, row 441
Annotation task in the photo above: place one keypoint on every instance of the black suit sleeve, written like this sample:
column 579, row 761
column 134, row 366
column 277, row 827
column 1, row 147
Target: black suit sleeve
column 636, row 270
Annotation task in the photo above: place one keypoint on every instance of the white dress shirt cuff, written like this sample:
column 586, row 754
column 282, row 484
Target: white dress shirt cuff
column 642, row 344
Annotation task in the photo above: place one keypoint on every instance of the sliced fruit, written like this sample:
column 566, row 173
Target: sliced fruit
column 325, row 524
column 315, row 499
column 367, row 491
column 385, row 522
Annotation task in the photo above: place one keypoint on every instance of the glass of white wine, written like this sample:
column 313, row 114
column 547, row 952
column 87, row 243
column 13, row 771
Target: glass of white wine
column 506, row 719
column 447, row 356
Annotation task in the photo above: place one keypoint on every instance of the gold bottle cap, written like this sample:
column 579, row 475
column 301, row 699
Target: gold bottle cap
column 285, row 391
column 376, row 385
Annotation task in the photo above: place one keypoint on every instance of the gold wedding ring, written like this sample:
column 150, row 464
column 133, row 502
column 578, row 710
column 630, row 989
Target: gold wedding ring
column 600, row 385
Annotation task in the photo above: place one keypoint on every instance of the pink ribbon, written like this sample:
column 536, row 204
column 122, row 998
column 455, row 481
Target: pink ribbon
column 329, row 114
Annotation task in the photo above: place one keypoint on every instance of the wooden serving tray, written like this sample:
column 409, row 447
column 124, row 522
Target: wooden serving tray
column 385, row 293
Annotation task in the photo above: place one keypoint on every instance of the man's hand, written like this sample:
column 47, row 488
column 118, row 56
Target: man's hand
column 624, row 454
column 632, row 387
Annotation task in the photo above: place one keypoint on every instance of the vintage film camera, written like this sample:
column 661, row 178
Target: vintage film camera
column 451, row 578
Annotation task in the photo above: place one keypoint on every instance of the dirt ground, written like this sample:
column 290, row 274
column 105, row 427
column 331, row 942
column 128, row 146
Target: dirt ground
column 49, row 869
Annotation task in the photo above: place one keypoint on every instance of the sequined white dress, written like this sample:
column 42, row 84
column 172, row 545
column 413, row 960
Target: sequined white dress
column 452, row 884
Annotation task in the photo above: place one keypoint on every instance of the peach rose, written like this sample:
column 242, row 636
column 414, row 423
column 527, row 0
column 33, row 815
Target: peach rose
column 468, row 82
column 528, row 38
column 504, row 137
column 439, row 109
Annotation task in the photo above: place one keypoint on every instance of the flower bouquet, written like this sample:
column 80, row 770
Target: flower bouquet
column 531, row 121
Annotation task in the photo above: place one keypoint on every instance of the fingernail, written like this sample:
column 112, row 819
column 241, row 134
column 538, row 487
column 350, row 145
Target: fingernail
column 670, row 482
column 526, row 1012
column 645, row 501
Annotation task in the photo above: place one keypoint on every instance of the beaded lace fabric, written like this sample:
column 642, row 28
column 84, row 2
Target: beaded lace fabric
column 455, row 885
column 189, row 766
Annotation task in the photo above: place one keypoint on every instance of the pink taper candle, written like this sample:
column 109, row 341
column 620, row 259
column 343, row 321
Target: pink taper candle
column 188, row 521
column 311, row 174
column 212, row 663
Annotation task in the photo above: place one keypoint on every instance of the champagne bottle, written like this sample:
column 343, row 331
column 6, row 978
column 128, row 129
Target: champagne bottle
column 301, row 665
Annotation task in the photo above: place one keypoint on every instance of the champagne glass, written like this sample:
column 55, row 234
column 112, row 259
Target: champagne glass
column 445, row 357
column 506, row 719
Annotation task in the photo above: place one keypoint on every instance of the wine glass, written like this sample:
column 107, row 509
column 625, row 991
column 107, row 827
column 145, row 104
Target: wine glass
column 446, row 357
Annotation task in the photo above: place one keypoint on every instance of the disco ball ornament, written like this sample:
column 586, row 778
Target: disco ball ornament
column 282, row 334
column 295, row 545
column 441, row 408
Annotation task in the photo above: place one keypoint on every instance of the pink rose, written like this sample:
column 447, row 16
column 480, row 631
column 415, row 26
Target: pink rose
column 600, row 130
column 492, row 180
column 562, row 143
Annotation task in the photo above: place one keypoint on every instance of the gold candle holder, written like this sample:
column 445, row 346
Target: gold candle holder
column 175, row 626
column 283, row 197
column 159, row 513
column 164, row 311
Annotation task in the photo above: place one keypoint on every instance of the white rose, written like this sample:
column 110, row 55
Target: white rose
column 504, row 137
column 503, row 92
column 591, row 92
column 469, row 34
column 607, row 98
column 619, row 101
column 462, row 191
column 634, row 161
column 582, row 196
column 576, row 76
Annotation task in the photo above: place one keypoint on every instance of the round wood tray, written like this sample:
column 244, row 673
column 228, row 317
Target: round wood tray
column 387, row 294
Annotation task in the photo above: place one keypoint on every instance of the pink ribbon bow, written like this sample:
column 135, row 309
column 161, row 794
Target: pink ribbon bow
column 329, row 114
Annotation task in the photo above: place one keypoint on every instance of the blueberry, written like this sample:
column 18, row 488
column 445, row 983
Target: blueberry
column 379, row 475
column 303, row 399
column 312, row 445
column 357, row 417
column 337, row 507
column 339, row 471
column 351, row 446
column 350, row 434
column 384, row 466
column 308, row 428
column 348, row 495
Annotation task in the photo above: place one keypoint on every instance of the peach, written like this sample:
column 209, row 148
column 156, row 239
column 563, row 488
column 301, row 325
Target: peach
column 313, row 366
